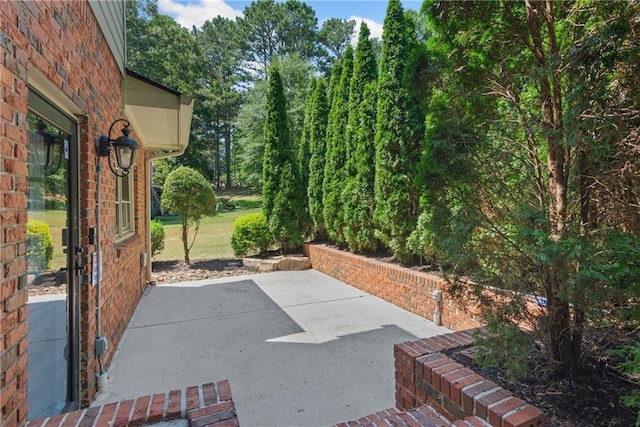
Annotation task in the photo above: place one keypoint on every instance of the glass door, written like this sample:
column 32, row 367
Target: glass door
column 52, row 259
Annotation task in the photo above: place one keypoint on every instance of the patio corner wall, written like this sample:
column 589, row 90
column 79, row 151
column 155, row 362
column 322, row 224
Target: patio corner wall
column 406, row 288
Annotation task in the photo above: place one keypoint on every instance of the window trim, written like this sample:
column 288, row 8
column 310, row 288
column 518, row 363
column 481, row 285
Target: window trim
column 123, row 233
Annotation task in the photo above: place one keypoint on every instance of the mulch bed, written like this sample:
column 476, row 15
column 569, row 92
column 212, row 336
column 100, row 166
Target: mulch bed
column 589, row 397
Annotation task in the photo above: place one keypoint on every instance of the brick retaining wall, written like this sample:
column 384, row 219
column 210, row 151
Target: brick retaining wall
column 406, row 288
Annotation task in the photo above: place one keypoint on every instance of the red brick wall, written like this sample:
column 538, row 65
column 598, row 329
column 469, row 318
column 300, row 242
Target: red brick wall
column 409, row 289
column 426, row 375
column 61, row 39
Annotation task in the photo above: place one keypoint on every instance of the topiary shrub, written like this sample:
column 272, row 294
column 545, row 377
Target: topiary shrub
column 188, row 193
column 250, row 235
column 39, row 246
column 157, row 237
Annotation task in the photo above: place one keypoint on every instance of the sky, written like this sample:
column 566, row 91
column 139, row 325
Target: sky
column 195, row 12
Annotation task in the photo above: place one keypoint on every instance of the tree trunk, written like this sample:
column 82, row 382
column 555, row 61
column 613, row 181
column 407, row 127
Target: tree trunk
column 227, row 152
column 185, row 237
column 563, row 340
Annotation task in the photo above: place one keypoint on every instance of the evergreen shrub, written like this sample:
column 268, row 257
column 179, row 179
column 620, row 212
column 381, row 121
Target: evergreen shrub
column 250, row 235
column 157, row 237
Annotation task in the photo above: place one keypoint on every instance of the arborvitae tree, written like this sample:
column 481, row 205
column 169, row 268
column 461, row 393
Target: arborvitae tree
column 334, row 173
column 397, row 150
column 317, row 145
column 304, row 156
column 334, row 81
column 282, row 194
column 358, row 193
column 304, row 151
column 365, row 70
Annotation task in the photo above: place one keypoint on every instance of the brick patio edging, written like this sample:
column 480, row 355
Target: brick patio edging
column 426, row 375
column 207, row 405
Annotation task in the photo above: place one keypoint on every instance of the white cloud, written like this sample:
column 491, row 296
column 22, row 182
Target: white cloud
column 196, row 13
column 374, row 28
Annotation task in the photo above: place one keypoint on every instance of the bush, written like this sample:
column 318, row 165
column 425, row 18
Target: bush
column 250, row 235
column 631, row 367
column 157, row 237
column 39, row 246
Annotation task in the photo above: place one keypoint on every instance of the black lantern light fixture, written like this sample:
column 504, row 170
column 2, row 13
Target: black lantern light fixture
column 45, row 149
column 124, row 146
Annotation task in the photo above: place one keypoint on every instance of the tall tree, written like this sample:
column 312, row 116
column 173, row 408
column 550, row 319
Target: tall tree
column 333, row 38
column 358, row 192
column 271, row 29
column 524, row 217
column 336, row 154
column 219, row 89
column 162, row 50
column 295, row 74
column 282, row 193
column 319, row 115
column 397, row 147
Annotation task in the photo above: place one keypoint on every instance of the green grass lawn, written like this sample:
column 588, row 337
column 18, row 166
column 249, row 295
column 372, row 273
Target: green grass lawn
column 213, row 239
column 214, row 236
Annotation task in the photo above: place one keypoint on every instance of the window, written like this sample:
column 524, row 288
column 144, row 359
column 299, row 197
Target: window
column 124, row 207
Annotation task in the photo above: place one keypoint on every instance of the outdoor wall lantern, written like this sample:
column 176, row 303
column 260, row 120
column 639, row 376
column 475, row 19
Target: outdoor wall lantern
column 45, row 149
column 124, row 146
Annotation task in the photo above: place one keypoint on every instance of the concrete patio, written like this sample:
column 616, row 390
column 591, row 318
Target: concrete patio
column 298, row 348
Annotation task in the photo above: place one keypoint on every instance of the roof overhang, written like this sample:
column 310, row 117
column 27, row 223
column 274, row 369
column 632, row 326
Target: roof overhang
column 159, row 116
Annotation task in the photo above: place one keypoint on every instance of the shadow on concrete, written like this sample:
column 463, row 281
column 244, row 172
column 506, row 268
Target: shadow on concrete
column 308, row 352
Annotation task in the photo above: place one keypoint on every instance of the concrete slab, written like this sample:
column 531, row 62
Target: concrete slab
column 299, row 348
column 47, row 365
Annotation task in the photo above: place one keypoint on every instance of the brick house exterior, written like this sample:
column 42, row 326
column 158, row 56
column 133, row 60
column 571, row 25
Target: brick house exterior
column 68, row 56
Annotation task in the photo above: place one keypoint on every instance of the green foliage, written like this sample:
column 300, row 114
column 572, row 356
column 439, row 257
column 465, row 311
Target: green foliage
column 503, row 345
column 396, row 140
column 39, row 246
column 251, row 235
column 358, row 193
column 317, row 146
column 334, row 37
column 336, row 153
column 187, row 192
column 272, row 29
column 282, row 192
column 157, row 237
column 631, row 367
column 295, row 75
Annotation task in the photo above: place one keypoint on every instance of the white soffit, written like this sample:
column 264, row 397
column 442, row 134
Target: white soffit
column 160, row 117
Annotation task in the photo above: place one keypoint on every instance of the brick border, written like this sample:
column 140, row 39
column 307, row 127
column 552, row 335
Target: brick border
column 425, row 375
column 406, row 288
column 206, row 405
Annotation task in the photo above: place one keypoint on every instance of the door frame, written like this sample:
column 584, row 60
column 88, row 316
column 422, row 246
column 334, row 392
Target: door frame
column 46, row 109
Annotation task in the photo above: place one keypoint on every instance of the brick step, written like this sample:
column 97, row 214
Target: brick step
column 423, row 416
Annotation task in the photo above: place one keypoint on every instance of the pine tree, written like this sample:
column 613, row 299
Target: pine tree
column 397, row 150
column 334, row 173
column 282, row 194
column 317, row 146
